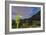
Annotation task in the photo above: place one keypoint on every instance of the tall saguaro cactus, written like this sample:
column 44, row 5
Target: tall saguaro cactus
column 17, row 20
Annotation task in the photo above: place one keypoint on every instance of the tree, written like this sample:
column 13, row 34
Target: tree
column 17, row 20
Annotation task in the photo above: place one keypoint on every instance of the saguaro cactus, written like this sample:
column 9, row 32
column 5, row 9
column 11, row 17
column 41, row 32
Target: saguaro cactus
column 17, row 20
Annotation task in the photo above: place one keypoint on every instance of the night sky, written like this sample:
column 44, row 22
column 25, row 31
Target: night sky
column 24, row 12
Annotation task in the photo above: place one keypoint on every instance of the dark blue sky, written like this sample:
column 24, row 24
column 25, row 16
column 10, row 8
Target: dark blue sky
column 25, row 12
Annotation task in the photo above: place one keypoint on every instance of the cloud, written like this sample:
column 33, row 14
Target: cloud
column 24, row 12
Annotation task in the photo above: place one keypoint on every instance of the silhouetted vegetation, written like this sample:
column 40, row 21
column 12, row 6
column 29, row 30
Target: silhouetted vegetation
column 33, row 22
